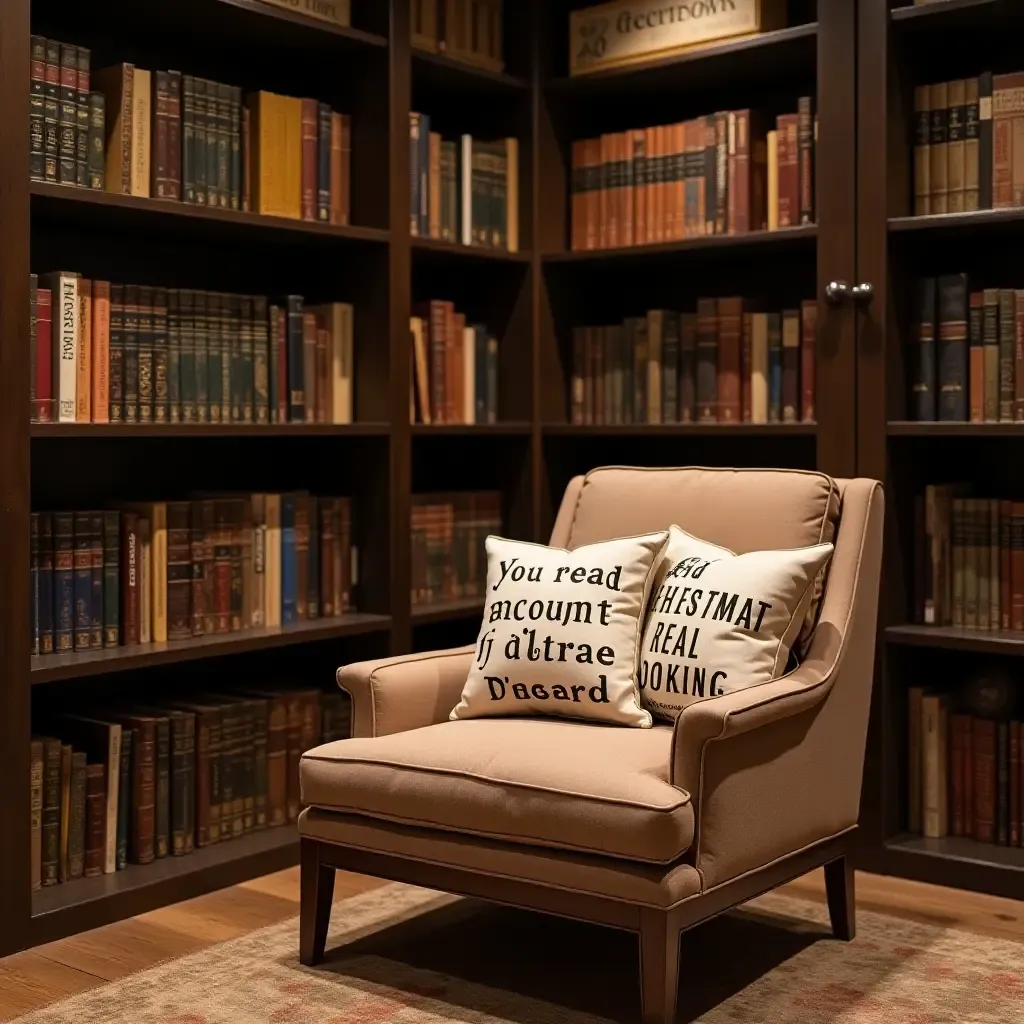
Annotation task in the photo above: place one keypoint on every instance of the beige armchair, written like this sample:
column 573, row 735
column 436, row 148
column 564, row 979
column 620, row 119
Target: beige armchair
column 650, row 830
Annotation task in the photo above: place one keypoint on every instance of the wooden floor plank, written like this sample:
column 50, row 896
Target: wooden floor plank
column 28, row 981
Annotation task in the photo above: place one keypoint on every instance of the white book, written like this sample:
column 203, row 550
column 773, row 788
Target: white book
column 272, row 547
column 67, row 341
column 759, row 368
column 466, row 188
column 469, row 375
column 141, row 117
column 512, row 194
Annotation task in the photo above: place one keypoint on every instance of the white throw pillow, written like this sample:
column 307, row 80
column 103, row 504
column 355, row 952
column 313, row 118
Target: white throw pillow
column 719, row 622
column 561, row 631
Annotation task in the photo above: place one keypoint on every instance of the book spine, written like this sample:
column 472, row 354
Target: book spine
column 100, row 330
column 179, row 795
column 96, row 553
column 216, row 147
column 1002, row 784
column 200, row 139
column 247, row 344
column 130, row 342
column 310, row 121
column 174, row 135
column 808, row 360
column 116, row 356
column 67, row 114
column 1005, row 566
column 50, row 860
column 64, row 581
column 51, row 109
column 991, row 355
column 141, row 844
column 957, row 726
column 289, row 563
column 162, row 812
column 260, row 358
column 1014, row 784
column 922, row 152
column 130, row 579
column 938, row 147
column 44, row 376
column 706, row 368
column 1007, row 354
column 774, row 368
column 76, row 823
column 95, row 820
column 201, row 344
column 971, row 143
column 161, row 358
column 216, row 354
column 805, row 146
column 34, row 579
column 111, row 540
column 47, row 643
column 295, row 361
column 953, row 331
column 82, row 587
column 161, row 183
column 65, row 311
column 976, row 357
column 323, row 163
column 985, row 140
column 179, row 571
column 188, row 139
column 956, row 116
column 984, row 780
column 147, row 356
column 235, row 147
column 37, row 110
column 730, row 341
column 83, row 356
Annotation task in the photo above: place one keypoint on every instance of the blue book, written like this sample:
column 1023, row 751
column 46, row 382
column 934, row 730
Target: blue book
column 774, row 368
column 296, row 385
column 479, row 373
column 82, row 586
column 46, row 638
column 289, row 562
column 415, row 128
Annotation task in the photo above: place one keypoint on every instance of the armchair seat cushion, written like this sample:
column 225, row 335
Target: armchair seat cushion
column 539, row 782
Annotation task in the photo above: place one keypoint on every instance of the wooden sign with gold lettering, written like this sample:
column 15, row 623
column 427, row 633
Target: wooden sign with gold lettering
column 633, row 31
column 334, row 11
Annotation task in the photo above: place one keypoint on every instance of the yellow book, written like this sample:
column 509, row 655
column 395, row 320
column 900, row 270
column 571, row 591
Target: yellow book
column 272, row 547
column 116, row 83
column 291, row 156
column 83, row 365
column 773, row 180
column 512, row 195
column 141, row 118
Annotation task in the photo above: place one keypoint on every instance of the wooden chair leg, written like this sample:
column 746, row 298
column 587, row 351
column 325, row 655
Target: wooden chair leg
column 839, row 888
column 316, row 885
column 659, row 966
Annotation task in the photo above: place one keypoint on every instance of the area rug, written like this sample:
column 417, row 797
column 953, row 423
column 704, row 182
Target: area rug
column 400, row 955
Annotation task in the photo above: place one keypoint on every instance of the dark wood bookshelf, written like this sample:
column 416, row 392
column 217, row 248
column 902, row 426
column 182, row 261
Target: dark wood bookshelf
column 900, row 48
column 85, row 903
column 447, row 611
column 50, row 668
column 439, row 247
column 782, row 238
column 94, row 207
column 205, row 431
column 912, row 428
column 472, row 429
column 680, row 429
column 451, row 75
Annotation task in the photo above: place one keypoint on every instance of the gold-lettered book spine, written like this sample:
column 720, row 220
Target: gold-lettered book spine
column 337, row 12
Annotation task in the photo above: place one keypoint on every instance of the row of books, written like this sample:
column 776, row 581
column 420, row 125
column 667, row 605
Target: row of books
column 135, row 784
column 112, row 353
column 966, row 354
column 965, row 773
column 964, row 152
column 173, row 136
column 464, row 191
column 725, row 173
column 721, row 364
column 970, row 560
column 468, row 30
column 449, row 560
column 158, row 571
column 455, row 367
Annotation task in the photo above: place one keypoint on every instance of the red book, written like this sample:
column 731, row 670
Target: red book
column 984, row 780
column 336, row 204
column 788, row 128
column 808, row 329
column 309, row 162
column 44, row 356
column 346, row 169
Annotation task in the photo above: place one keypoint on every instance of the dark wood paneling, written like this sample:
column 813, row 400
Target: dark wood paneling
column 14, row 475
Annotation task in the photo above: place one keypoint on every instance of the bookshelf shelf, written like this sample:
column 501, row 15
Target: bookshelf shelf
column 340, row 32
column 745, row 59
column 954, row 638
column 803, row 235
column 72, row 907
column 910, row 428
column 207, row 431
column 950, row 16
column 447, row 611
column 472, row 430
column 448, row 74
column 681, row 430
column 962, row 850
column 90, row 206
column 435, row 247
column 52, row 668
column 984, row 867
column 959, row 223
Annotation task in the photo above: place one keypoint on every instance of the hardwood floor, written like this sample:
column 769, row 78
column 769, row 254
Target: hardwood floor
column 51, row 972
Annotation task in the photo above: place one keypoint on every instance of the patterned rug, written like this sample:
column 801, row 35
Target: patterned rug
column 400, row 955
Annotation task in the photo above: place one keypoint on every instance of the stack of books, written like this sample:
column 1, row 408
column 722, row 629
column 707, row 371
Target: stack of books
column 173, row 136
column 723, row 174
column 455, row 368
column 449, row 561
column 149, row 572
column 134, row 784
column 112, row 353
column 965, row 773
column 721, row 364
column 464, row 191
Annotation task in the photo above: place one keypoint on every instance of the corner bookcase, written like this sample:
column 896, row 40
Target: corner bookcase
column 531, row 299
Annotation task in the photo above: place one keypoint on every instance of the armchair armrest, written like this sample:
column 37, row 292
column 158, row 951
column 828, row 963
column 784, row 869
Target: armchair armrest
column 407, row 692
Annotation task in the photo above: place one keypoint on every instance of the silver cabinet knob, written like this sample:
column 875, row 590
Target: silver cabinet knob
column 863, row 293
column 836, row 292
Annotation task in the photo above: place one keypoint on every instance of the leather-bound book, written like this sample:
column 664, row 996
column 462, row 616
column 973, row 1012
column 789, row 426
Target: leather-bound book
column 985, row 123
column 179, row 570
column 76, row 816
column 213, row 354
column 976, row 357
column 310, row 163
column 37, row 110
column 188, row 139
column 174, row 413
column 923, row 356
column 161, row 358
column 96, row 174
column 51, row 109
column 1014, row 784
column 50, row 860
column 688, row 368
column 182, row 339
column 83, row 356
column 100, row 377
column 922, row 153
column 953, row 330
column 143, row 802
column 805, row 144
column 224, row 132
column 101, row 742
column 64, row 581
column 82, row 586
column 222, row 566
column 122, row 820
column 730, row 338
column 790, row 365
column 935, row 776
column 1018, row 355
column 46, row 584
column 984, row 780
column 34, row 579
column 131, row 341
column 938, row 147
column 201, row 343
column 1007, row 347
column 236, row 512
column 956, row 117
column 958, row 726
column 235, row 148
column 706, row 369
column 774, row 368
column 206, row 810
column 1003, row 783
column 131, row 581
column 117, row 361
column 67, row 116
column 197, row 558
column 990, row 337
column 294, row 703
column 44, row 377
column 1007, row 121
column 161, row 186
column 788, row 128
column 36, row 768
column 1005, row 575
column 117, row 84
column 971, row 144
column 213, row 143
column 201, row 131
column 96, row 563
column 95, row 819
column 248, row 333
column 174, row 135
column 110, row 544
column 808, row 360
